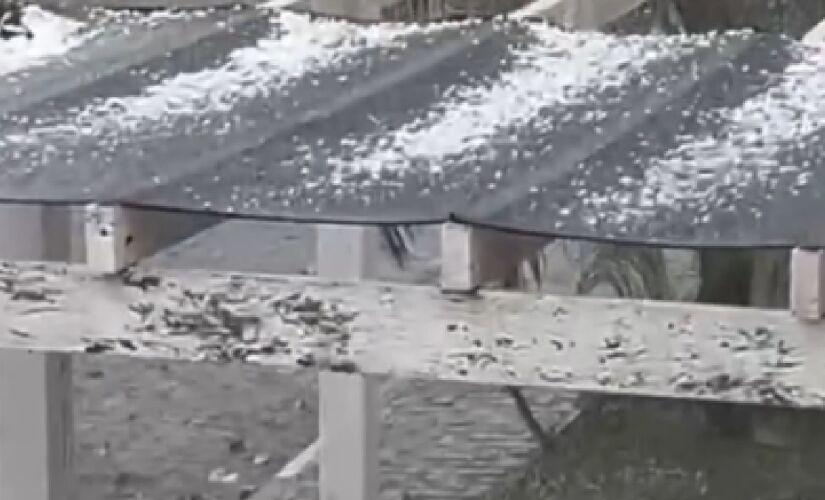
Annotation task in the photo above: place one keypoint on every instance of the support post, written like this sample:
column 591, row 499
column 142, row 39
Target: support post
column 472, row 257
column 350, row 426
column 342, row 251
column 349, row 417
column 460, row 267
column 118, row 237
column 36, row 445
column 807, row 284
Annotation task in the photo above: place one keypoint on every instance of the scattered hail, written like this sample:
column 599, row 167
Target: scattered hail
column 558, row 69
column 295, row 46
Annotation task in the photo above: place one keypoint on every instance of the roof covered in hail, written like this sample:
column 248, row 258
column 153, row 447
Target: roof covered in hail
column 686, row 141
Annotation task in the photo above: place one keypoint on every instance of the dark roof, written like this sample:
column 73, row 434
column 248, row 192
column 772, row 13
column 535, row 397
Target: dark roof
column 684, row 141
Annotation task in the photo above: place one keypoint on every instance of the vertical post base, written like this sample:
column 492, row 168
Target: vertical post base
column 36, row 445
column 349, row 426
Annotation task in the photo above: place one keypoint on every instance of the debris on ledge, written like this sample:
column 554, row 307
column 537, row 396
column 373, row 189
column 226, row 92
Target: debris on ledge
column 613, row 346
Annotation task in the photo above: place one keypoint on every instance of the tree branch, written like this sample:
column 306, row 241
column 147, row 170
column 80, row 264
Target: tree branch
column 529, row 419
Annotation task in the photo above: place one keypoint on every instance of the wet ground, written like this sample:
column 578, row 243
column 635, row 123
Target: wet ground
column 665, row 451
column 181, row 431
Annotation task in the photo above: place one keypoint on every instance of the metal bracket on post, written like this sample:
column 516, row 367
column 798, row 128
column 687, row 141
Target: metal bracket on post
column 36, row 426
column 807, row 299
column 350, row 428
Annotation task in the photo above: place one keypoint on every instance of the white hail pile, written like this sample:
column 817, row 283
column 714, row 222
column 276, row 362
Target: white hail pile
column 746, row 149
column 54, row 37
column 560, row 69
column 296, row 45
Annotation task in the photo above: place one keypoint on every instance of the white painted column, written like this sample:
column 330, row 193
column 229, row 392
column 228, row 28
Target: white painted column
column 35, row 388
column 349, row 424
column 36, row 445
column 107, row 239
column 460, row 262
column 118, row 237
column 472, row 257
column 350, row 428
column 807, row 299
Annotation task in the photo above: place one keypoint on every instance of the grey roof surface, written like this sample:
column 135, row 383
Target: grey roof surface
column 708, row 140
